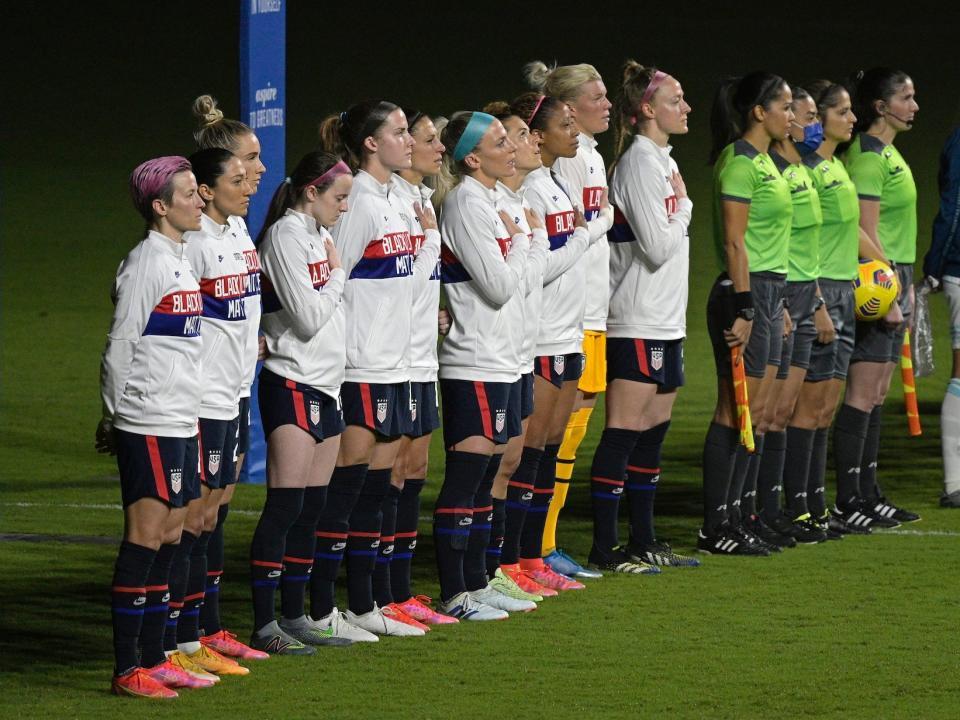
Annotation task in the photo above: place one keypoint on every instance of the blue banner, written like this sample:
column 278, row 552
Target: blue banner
column 263, row 69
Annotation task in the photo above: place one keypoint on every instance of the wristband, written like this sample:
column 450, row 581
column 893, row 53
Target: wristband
column 743, row 301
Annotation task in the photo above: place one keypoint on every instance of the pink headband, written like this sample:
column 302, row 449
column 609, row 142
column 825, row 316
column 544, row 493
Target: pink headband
column 658, row 77
column 341, row 168
column 536, row 109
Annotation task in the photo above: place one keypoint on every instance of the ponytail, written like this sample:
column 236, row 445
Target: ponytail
column 343, row 135
column 731, row 115
column 626, row 107
column 867, row 88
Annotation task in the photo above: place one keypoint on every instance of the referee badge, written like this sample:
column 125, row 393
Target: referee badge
column 381, row 410
column 656, row 358
column 501, row 420
column 213, row 462
column 314, row 412
column 559, row 361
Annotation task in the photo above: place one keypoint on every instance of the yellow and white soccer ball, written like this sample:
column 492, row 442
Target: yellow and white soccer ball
column 875, row 289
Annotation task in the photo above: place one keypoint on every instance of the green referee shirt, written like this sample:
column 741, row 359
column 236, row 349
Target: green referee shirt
column 743, row 174
column 804, row 256
column 880, row 173
column 840, row 233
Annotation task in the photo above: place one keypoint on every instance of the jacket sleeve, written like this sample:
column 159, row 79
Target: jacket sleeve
column 658, row 236
column 426, row 261
column 286, row 263
column 473, row 241
column 562, row 259
column 600, row 224
column 355, row 229
column 537, row 258
column 946, row 226
column 136, row 292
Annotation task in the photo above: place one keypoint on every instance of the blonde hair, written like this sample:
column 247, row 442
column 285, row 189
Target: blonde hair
column 213, row 129
column 564, row 82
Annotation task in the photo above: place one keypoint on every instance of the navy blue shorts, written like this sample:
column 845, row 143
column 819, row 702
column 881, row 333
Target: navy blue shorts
column 151, row 466
column 658, row 362
column 218, row 452
column 285, row 402
column 424, row 408
column 559, row 368
column 243, row 429
column 526, row 395
column 384, row 409
column 473, row 407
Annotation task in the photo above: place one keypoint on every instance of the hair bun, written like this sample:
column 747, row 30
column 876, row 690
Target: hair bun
column 206, row 111
column 632, row 69
column 537, row 73
column 497, row 108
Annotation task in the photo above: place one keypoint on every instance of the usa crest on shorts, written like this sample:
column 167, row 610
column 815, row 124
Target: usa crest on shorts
column 213, row 462
column 559, row 362
column 501, row 420
column 656, row 358
column 381, row 410
column 314, row 412
column 176, row 480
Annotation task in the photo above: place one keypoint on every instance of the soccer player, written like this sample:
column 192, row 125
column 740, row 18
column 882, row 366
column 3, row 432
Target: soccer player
column 383, row 277
column 649, row 267
column 941, row 266
column 299, row 397
column 401, row 507
column 800, row 301
column 582, row 88
column 885, row 103
column 216, row 131
column 483, row 265
column 150, row 419
column 752, row 215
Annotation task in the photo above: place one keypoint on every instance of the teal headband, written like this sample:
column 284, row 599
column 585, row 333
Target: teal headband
column 479, row 122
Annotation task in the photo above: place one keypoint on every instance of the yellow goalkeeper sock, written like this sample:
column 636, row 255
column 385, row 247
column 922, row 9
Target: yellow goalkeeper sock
column 576, row 431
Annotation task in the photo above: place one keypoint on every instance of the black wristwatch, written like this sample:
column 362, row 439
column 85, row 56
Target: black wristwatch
column 820, row 302
column 746, row 313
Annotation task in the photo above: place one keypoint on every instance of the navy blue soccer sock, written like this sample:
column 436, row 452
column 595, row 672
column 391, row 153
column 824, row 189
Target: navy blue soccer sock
column 531, row 539
column 498, row 523
column 363, row 540
column 405, row 539
column 453, row 517
column 210, row 611
column 156, row 608
column 188, row 629
column 280, row 511
column 128, row 599
column 298, row 554
column 475, row 559
column 382, row 585
column 607, row 475
column 643, row 474
column 517, row 504
column 179, row 572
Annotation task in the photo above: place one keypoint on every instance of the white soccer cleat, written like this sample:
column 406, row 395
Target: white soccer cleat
column 343, row 629
column 379, row 624
column 464, row 607
column 501, row 601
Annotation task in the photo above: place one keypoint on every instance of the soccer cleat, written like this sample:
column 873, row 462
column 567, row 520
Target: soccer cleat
column 541, row 574
column 418, row 608
column 561, row 563
column 525, row 583
column 804, row 532
column 172, row 676
column 138, row 683
column 393, row 610
column 464, row 607
column 336, row 622
column 729, row 542
column 212, row 661
column 893, row 512
column 496, row 599
column 745, row 534
column 881, row 514
column 618, row 561
column 180, row 660
column 660, row 554
column 306, row 632
column 503, row 583
column 950, row 500
column 755, row 525
column 378, row 623
column 226, row 643
column 271, row 639
column 853, row 522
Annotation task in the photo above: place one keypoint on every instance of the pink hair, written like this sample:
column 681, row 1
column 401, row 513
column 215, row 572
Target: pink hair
column 153, row 179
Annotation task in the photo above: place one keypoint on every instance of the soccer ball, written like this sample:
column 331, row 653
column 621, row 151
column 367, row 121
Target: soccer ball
column 874, row 290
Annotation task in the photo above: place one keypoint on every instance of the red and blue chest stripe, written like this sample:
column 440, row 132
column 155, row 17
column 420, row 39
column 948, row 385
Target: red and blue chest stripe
column 253, row 272
column 176, row 315
column 223, row 297
column 559, row 228
column 418, row 241
column 385, row 258
column 452, row 270
column 591, row 201
column 319, row 275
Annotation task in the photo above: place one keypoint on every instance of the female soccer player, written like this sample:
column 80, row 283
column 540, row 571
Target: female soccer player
column 800, row 301
column 582, row 88
column 401, row 507
column 834, row 319
column 382, row 276
column 649, row 264
column 885, row 105
column 752, row 215
column 299, row 396
column 150, row 418
column 216, row 131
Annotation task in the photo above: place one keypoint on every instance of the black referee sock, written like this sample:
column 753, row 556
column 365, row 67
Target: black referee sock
column 298, row 554
column 796, row 470
column 383, row 572
column 607, row 478
column 179, row 572
column 497, row 530
column 770, row 476
column 280, row 510
column 453, row 517
column 210, row 611
column 849, row 436
column 643, row 474
column 719, row 449
column 128, row 599
column 531, row 538
column 156, row 608
column 475, row 559
column 405, row 538
column 869, row 487
column 188, row 629
column 331, row 536
column 517, row 504
column 816, row 481
column 742, row 499
column 363, row 540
